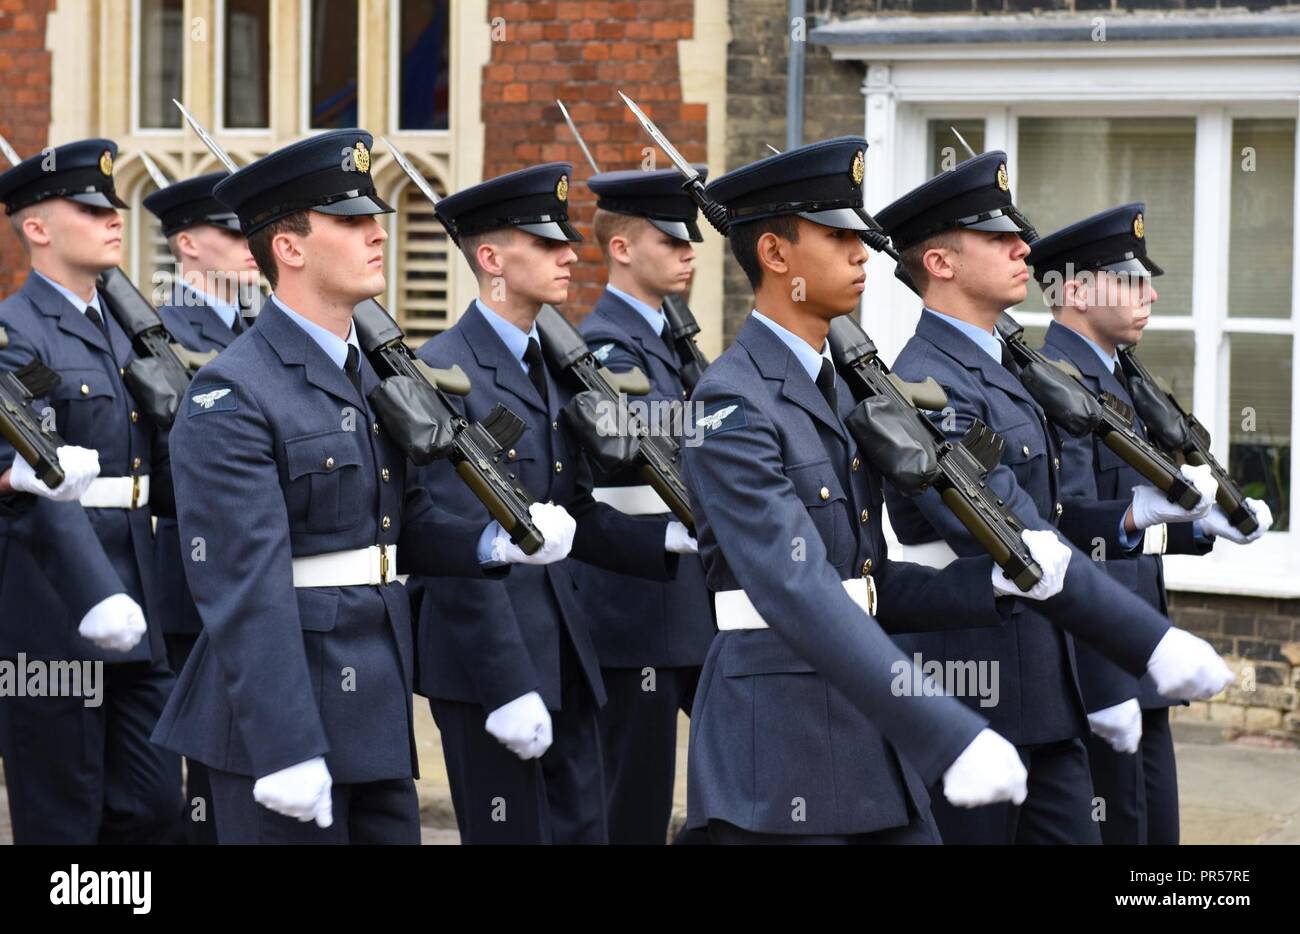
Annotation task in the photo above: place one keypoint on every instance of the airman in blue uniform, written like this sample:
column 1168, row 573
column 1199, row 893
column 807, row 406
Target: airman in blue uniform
column 959, row 240
column 651, row 637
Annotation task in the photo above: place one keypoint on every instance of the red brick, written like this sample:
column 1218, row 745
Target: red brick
column 595, row 52
column 515, row 92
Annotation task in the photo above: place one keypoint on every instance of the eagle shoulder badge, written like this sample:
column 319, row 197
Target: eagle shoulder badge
column 214, row 398
column 1139, row 228
column 106, row 162
column 1003, row 181
column 562, row 188
column 725, row 417
column 859, row 167
column 361, row 156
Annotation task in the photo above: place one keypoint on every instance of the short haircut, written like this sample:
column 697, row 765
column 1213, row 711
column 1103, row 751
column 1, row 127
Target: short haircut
column 469, row 245
column 39, row 209
column 606, row 225
column 912, row 258
column 744, row 242
column 259, row 244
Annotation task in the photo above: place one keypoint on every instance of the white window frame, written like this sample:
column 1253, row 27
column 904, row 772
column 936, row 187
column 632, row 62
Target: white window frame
column 136, row 129
column 395, row 67
column 906, row 86
column 304, row 66
column 219, row 73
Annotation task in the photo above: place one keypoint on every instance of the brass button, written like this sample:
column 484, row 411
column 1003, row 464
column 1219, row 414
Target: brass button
column 865, row 515
column 558, row 466
column 1024, row 449
column 555, row 426
column 866, row 567
column 1059, row 509
column 386, row 523
column 375, row 428
column 511, row 454
column 857, row 462
column 385, row 474
column 85, row 390
column 135, row 416
column 1056, row 462
column 135, row 464
column 824, row 493
column 329, row 463
column 121, row 372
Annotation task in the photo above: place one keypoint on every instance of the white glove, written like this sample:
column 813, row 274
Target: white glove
column 679, row 540
column 1216, row 523
column 1052, row 555
column 987, row 771
column 301, row 791
column 115, row 623
column 523, row 726
column 80, row 467
column 1152, row 506
column 556, row 526
column 1120, row 726
column 1186, row 667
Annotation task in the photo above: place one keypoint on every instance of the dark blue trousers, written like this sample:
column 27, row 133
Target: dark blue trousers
column 638, row 733
column 921, row 831
column 1141, row 790
column 83, row 775
column 383, row 812
column 200, row 824
column 1058, row 809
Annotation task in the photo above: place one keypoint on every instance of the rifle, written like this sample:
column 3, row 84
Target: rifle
column 20, row 424
column 683, row 327
column 1178, row 431
column 1066, row 400
column 656, row 457
column 412, row 403
column 913, row 453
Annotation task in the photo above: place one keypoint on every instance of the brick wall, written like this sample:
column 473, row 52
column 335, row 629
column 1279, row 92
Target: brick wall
column 1261, row 638
column 24, row 106
column 583, row 53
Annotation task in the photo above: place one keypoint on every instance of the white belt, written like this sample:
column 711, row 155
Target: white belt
column 931, row 554
column 631, row 500
column 735, row 611
column 116, row 493
column 360, row 567
column 1155, row 539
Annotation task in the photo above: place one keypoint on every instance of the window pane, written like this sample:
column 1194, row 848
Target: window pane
column 247, row 63
column 1171, row 355
column 424, row 75
column 1259, row 245
column 1069, row 168
column 333, row 70
column 1259, row 419
column 946, row 150
column 160, row 29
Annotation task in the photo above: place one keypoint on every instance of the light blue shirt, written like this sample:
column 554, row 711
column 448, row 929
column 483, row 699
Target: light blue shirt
column 516, row 341
column 654, row 317
column 334, row 346
column 225, row 311
column 988, row 342
column 808, row 358
column 77, row 302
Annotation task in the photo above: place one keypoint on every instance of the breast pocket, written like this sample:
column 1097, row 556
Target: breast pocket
column 83, row 397
column 1026, row 454
column 819, row 490
column 326, row 491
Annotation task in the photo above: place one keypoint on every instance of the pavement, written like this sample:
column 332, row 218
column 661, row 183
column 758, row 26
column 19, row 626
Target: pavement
column 1231, row 790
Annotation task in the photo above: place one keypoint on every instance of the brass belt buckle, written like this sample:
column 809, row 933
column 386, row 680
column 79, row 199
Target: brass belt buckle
column 383, row 564
column 135, row 492
column 871, row 595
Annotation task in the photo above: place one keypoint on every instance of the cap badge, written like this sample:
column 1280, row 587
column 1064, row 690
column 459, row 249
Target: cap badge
column 1139, row 228
column 361, row 156
column 859, row 167
column 106, row 162
column 562, row 188
column 1003, row 182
